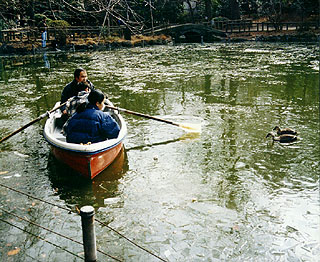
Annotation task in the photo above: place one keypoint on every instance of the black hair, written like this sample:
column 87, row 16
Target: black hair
column 82, row 86
column 77, row 72
column 96, row 96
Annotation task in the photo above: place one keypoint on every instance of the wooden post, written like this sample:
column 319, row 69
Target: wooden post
column 88, row 233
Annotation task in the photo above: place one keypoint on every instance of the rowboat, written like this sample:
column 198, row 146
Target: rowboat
column 88, row 160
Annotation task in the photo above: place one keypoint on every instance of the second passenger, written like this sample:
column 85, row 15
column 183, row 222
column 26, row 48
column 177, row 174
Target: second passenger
column 90, row 123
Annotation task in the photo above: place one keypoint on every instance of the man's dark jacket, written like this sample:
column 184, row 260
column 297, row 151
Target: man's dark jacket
column 70, row 90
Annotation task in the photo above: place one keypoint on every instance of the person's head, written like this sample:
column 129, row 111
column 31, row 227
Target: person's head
column 83, row 86
column 80, row 75
column 96, row 97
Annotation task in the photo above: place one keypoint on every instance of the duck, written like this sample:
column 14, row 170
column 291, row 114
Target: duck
column 284, row 131
column 285, row 138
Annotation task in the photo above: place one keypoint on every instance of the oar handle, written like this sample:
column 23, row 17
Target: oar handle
column 143, row 115
column 32, row 122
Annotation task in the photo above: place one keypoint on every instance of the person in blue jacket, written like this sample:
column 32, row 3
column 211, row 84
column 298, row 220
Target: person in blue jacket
column 90, row 123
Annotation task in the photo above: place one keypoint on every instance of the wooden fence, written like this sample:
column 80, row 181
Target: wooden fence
column 29, row 34
column 249, row 26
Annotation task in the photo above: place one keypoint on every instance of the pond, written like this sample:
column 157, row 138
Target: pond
column 226, row 194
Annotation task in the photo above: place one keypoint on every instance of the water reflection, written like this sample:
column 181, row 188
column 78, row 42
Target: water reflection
column 46, row 60
column 77, row 190
column 186, row 136
column 227, row 191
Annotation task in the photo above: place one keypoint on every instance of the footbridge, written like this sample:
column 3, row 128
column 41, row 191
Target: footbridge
column 189, row 33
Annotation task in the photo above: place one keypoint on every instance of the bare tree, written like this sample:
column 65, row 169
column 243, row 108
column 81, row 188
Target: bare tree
column 191, row 9
column 118, row 10
column 272, row 9
column 230, row 9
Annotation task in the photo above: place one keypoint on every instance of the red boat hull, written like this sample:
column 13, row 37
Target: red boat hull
column 88, row 165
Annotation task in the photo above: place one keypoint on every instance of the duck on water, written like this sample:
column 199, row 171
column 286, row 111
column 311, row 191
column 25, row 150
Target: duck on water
column 284, row 131
column 285, row 138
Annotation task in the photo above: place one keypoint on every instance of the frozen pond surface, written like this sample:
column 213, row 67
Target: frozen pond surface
column 227, row 194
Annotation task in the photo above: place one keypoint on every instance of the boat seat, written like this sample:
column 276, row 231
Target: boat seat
column 58, row 135
column 63, row 139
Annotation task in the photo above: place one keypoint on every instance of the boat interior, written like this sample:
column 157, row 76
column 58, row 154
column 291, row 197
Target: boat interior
column 57, row 132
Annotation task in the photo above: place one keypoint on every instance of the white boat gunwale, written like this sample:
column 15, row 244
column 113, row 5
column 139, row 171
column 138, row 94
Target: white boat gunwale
column 52, row 136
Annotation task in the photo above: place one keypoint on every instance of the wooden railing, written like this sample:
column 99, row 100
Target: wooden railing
column 29, row 34
column 249, row 26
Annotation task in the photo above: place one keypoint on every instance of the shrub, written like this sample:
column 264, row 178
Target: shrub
column 60, row 28
column 39, row 17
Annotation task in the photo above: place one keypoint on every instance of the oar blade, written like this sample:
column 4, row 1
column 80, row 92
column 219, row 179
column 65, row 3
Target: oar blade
column 195, row 128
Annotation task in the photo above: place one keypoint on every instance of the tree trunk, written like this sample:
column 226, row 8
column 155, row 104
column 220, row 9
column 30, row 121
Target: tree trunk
column 231, row 9
column 151, row 16
column 191, row 10
column 234, row 9
column 208, row 9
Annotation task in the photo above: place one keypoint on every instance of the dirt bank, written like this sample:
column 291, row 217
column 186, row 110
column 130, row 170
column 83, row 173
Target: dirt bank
column 24, row 48
column 284, row 36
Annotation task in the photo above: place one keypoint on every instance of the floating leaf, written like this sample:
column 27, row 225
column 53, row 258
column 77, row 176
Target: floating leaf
column 4, row 172
column 19, row 154
column 236, row 227
column 14, row 251
column 291, row 229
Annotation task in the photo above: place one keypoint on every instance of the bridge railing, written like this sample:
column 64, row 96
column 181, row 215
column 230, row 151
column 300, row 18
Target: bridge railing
column 148, row 31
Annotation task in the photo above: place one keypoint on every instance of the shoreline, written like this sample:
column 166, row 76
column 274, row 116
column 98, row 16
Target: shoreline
column 287, row 37
column 18, row 48
column 88, row 44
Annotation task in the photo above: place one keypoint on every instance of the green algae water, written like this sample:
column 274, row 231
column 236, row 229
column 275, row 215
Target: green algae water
column 226, row 194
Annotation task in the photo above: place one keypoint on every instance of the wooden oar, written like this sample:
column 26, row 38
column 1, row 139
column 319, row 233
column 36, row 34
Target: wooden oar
column 32, row 122
column 188, row 127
